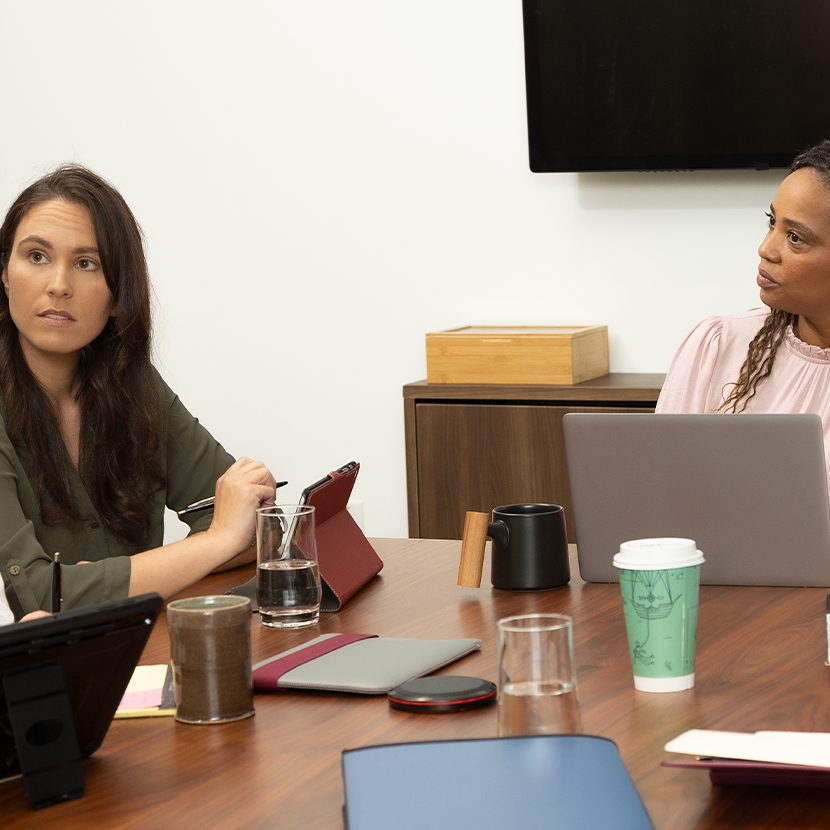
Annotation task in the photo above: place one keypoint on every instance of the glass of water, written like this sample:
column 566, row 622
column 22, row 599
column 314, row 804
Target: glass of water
column 537, row 679
column 288, row 589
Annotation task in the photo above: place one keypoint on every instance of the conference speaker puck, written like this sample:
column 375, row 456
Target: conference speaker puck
column 442, row 693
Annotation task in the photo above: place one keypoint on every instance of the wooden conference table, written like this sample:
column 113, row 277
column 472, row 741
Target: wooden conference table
column 760, row 665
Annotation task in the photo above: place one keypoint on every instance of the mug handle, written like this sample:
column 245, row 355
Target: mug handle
column 472, row 549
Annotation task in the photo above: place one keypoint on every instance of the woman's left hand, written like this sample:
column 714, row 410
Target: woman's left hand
column 35, row 615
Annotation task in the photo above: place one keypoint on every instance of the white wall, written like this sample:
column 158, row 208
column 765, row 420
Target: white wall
column 322, row 182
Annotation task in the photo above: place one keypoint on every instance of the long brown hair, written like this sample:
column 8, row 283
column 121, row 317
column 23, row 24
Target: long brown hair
column 764, row 346
column 122, row 401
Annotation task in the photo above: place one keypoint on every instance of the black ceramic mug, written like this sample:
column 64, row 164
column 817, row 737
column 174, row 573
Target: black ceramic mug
column 530, row 548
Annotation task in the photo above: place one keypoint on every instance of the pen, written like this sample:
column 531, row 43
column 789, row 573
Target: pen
column 55, row 605
column 206, row 504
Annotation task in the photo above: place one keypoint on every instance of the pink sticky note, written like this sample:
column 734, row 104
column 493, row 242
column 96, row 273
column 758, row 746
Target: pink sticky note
column 145, row 699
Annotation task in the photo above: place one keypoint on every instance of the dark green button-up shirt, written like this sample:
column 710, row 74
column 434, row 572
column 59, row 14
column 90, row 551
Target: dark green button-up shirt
column 193, row 462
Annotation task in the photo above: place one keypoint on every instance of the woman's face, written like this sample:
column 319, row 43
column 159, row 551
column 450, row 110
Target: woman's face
column 794, row 273
column 58, row 296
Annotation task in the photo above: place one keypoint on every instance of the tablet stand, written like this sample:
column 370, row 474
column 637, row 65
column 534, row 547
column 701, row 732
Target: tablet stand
column 44, row 734
column 347, row 559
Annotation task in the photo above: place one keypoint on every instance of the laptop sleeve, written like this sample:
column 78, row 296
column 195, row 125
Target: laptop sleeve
column 359, row 663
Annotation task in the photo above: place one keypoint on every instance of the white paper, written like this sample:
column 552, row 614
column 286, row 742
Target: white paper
column 807, row 748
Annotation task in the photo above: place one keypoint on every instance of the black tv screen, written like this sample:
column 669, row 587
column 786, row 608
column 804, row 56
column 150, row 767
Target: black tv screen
column 675, row 84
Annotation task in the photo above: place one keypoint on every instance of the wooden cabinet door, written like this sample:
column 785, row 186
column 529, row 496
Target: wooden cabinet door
column 478, row 456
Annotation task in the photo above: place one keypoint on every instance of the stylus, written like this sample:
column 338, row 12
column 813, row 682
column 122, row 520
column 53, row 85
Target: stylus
column 206, row 504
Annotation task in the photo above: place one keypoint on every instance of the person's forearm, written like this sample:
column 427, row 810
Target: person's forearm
column 244, row 558
column 245, row 486
column 170, row 569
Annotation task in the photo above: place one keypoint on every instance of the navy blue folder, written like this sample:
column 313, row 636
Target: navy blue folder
column 550, row 781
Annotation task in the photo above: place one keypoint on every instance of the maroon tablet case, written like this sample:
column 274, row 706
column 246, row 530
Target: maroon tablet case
column 347, row 560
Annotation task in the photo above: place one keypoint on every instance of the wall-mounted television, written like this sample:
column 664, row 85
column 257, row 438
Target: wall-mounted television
column 675, row 84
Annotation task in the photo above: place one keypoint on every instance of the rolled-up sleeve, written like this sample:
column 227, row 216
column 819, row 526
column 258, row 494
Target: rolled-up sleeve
column 28, row 576
column 26, row 566
column 195, row 460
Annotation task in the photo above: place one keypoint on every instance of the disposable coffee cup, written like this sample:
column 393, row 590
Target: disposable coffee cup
column 660, row 581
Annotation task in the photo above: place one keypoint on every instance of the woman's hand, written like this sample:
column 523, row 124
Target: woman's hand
column 34, row 615
column 246, row 486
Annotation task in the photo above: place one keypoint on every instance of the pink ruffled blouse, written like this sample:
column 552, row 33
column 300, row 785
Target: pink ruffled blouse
column 709, row 361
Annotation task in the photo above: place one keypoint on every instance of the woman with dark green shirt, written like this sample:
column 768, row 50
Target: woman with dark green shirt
column 93, row 444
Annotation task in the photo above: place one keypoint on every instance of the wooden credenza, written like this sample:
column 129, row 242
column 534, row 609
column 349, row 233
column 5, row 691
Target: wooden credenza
column 474, row 447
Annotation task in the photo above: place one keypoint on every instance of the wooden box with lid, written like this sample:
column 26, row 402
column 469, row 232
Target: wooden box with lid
column 517, row 354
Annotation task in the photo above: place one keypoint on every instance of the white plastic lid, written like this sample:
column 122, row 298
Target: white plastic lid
column 657, row 554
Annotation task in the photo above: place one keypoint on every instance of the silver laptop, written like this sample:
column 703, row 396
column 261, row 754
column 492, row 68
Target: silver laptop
column 751, row 490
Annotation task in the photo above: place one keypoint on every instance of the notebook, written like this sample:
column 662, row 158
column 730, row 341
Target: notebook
column 574, row 781
column 751, row 490
column 765, row 758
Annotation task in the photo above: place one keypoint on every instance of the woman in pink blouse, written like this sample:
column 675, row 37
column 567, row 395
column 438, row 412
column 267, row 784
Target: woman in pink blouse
column 774, row 359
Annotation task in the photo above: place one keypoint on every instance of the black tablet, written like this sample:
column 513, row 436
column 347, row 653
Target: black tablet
column 94, row 649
